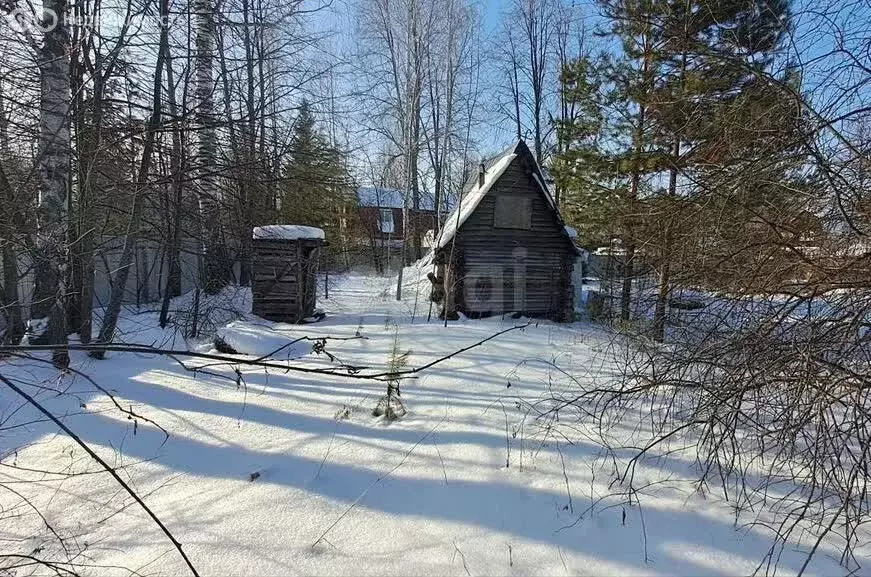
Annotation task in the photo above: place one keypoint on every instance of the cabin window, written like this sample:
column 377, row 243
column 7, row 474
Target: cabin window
column 482, row 290
column 513, row 212
column 387, row 220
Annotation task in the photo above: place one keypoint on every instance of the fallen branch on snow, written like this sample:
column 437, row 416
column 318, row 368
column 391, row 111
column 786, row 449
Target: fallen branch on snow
column 347, row 371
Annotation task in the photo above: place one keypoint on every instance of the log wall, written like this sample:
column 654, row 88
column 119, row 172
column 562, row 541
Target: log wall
column 506, row 270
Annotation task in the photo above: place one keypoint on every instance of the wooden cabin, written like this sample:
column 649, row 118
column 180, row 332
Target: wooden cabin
column 381, row 213
column 505, row 247
column 284, row 284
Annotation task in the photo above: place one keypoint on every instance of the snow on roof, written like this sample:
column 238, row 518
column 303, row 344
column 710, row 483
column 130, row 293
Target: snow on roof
column 472, row 193
column 288, row 232
column 609, row 251
column 547, row 190
column 391, row 198
column 471, row 198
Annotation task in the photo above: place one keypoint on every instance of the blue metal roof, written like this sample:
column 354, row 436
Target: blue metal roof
column 391, row 198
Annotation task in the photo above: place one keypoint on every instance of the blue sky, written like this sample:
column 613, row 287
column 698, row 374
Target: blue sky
column 812, row 40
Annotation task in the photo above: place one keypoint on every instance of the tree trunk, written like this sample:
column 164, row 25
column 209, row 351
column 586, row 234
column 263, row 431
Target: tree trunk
column 516, row 97
column 665, row 260
column 11, row 303
column 86, row 281
column 434, row 145
column 88, row 144
column 77, row 112
column 411, row 220
column 253, row 208
column 9, row 231
column 661, row 301
column 215, row 273
column 539, row 148
column 660, row 309
column 628, row 273
column 173, row 277
column 438, row 184
column 119, row 285
column 638, row 149
column 54, row 169
column 240, row 166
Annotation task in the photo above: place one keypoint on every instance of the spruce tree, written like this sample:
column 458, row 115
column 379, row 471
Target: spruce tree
column 317, row 188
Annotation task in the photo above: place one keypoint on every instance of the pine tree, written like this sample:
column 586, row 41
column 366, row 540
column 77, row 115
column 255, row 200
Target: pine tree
column 609, row 146
column 753, row 191
column 656, row 113
column 709, row 54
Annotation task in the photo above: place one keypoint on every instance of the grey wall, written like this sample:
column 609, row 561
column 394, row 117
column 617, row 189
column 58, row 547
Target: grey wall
column 145, row 283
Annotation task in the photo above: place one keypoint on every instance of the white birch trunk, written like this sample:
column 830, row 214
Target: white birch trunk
column 54, row 172
column 214, row 274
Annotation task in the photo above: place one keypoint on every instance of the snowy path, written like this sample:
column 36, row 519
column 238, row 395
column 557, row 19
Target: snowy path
column 433, row 492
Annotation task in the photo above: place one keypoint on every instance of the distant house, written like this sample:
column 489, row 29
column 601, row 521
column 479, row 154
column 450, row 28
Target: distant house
column 381, row 214
column 505, row 247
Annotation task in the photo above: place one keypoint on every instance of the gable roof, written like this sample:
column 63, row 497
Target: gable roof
column 472, row 194
column 377, row 197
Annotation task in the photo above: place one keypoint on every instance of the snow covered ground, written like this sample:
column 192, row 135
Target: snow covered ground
column 270, row 472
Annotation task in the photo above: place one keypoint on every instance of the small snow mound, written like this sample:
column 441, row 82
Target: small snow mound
column 249, row 339
column 573, row 234
column 207, row 313
column 288, row 232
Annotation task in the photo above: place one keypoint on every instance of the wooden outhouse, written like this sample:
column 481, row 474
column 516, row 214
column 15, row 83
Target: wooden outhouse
column 505, row 247
column 285, row 265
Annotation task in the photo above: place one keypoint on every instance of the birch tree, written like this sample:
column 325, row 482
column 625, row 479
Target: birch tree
column 394, row 41
column 50, row 301
column 215, row 269
column 528, row 65
column 509, row 75
column 448, row 63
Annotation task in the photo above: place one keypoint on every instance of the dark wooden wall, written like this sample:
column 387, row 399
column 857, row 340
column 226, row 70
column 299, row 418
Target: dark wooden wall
column 370, row 216
column 503, row 270
column 284, row 286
